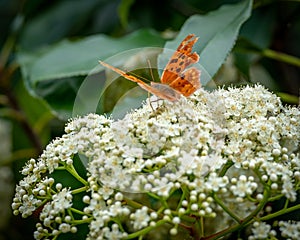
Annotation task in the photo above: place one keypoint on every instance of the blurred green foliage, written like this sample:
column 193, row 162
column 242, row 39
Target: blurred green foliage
column 49, row 47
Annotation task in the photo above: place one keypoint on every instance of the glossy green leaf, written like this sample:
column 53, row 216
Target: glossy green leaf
column 61, row 20
column 55, row 73
column 78, row 58
column 217, row 32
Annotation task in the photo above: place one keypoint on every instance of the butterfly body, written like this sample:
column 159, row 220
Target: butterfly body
column 177, row 80
column 165, row 91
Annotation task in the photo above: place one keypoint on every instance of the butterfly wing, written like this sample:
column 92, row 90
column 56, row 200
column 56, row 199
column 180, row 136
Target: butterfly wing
column 187, row 82
column 163, row 92
column 176, row 79
column 122, row 73
column 180, row 60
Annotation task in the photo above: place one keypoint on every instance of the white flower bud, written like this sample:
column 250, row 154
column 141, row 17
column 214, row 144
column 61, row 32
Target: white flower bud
column 58, row 186
column 173, row 231
column 194, row 207
column 86, row 199
column 119, row 196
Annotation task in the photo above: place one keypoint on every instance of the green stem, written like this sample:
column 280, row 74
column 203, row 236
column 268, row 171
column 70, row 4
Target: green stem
column 79, row 190
column 258, row 4
column 200, row 226
column 6, row 71
column 225, row 168
column 225, row 208
column 78, row 222
column 186, row 218
column 6, row 50
column 286, row 204
column 259, row 207
column 162, row 200
column 153, row 196
column 77, row 211
column 182, row 197
column 133, row 204
column 145, row 230
column 32, row 135
column 280, row 212
column 281, row 57
column 244, row 222
column 137, row 205
column 277, row 197
column 72, row 170
column 165, row 203
column 118, row 221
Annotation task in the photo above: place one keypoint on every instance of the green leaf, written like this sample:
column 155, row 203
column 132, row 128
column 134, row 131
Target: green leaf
column 217, row 33
column 243, row 59
column 38, row 117
column 246, row 52
column 256, row 34
column 62, row 19
column 123, row 11
column 259, row 28
column 78, row 58
column 55, row 73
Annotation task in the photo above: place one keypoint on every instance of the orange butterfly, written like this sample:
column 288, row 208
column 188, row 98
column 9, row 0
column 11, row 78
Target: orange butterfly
column 176, row 80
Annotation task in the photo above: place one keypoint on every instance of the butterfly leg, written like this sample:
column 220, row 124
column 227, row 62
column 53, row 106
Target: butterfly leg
column 150, row 102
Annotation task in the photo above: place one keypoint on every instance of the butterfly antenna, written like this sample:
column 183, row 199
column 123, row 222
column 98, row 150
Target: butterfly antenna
column 138, row 76
column 151, row 73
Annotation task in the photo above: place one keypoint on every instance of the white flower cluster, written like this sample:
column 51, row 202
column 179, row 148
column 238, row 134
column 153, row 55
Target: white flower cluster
column 262, row 230
column 288, row 230
column 54, row 215
column 219, row 156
